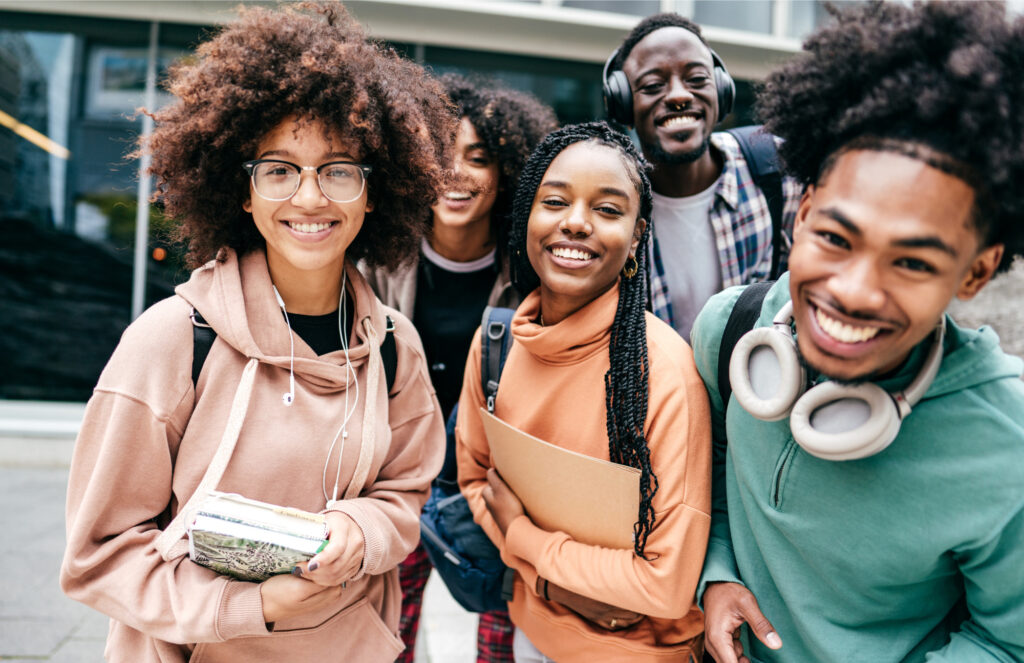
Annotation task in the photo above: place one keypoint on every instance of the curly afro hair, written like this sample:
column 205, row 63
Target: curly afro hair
column 942, row 82
column 314, row 62
column 649, row 25
column 510, row 123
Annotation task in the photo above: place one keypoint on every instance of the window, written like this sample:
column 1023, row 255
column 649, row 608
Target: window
column 734, row 14
column 634, row 7
column 68, row 196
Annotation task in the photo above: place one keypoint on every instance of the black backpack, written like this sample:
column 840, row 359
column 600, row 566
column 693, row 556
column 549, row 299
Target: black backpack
column 759, row 150
column 458, row 548
column 744, row 314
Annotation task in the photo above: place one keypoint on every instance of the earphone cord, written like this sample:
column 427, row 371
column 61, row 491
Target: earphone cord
column 350, row 377
column 288, row 398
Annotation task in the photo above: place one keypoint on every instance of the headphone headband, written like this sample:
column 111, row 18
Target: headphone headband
column 618, row 95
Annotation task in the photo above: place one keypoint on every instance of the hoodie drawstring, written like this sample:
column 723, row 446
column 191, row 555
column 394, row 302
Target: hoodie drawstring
column 171, row 543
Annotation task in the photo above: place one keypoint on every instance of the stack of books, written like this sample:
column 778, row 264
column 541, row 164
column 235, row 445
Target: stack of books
column 251, row 540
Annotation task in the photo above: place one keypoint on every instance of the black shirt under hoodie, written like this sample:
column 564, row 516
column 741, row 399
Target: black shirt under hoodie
column 450, row 298
column 320, row 332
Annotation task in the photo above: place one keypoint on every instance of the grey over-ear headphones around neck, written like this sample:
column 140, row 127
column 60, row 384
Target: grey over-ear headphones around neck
column 829, row 420
column 618, row 95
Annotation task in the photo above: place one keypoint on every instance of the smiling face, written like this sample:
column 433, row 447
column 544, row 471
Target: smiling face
column 882, row 244
column 675, row 103
column 470, row 201
column 307, row 234
column 582, row 227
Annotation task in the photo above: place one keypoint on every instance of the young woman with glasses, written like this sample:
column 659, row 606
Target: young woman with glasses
column 461, row 269
column 295, row 147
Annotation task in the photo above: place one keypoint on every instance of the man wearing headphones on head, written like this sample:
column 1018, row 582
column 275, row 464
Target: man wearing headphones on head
column 712, row 226
column 869, row 504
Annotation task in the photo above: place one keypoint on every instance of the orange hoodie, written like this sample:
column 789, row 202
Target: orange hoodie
column 552, row 387
column 148, row 436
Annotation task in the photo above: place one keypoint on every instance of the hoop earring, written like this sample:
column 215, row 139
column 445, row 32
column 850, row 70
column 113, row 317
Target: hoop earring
column 630, row 271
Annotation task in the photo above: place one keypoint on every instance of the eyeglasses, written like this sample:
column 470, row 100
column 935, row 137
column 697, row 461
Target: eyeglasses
column 340, row 181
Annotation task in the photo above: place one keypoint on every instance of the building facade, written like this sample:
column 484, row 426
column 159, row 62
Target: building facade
column 79, row 255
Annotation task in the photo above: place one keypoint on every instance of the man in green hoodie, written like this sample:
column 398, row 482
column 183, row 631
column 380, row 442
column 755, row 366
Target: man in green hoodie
column 869, row 504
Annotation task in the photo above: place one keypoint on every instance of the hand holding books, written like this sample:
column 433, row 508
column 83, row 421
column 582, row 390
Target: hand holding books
column 342, row 557
column 287, row 596
column 252, row 540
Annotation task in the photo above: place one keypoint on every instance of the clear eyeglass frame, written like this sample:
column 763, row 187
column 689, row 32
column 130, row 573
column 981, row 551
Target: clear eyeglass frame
column 252, row 166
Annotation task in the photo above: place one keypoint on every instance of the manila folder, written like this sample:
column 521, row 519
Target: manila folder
column 592, row 500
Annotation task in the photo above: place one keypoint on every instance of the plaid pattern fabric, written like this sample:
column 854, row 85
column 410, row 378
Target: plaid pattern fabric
column 493, row 635
column 412, row 576
column 742, row 225
column 494, row 638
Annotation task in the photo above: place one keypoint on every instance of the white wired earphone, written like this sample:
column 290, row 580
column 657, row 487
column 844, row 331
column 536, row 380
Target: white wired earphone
column 289, row 396
column 350, row 377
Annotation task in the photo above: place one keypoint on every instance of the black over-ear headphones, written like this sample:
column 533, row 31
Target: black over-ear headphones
column 618, row 96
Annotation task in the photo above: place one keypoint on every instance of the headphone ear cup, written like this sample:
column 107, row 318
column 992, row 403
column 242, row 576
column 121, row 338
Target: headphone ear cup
column 840, row 422
column 726, row 88
column 618, row 98
column 765, row 373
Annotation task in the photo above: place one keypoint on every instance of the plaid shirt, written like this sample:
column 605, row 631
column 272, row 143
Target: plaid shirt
column 742, row 225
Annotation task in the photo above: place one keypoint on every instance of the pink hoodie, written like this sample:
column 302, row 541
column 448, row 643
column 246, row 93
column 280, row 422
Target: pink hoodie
column 148, row 437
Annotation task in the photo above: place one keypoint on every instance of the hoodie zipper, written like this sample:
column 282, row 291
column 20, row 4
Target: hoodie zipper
column 781, row 468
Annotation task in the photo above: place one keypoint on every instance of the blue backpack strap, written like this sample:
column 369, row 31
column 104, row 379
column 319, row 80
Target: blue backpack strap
column 495, row 339
column 742, row 318
column 762, row 156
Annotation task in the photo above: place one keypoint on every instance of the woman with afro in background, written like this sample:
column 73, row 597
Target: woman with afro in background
column 461, row 269
column 294, row 148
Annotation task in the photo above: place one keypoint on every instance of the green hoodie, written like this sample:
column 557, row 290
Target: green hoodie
column 878, row 559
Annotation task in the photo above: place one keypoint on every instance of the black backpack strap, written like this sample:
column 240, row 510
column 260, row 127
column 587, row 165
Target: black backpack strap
column 202, row 340
column 203, row 337
column 495, row 338
column 759, row 151
column 389, row 354
column 741, row 320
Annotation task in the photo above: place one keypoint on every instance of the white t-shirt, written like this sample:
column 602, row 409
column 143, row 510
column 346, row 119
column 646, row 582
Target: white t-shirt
column 689, row 254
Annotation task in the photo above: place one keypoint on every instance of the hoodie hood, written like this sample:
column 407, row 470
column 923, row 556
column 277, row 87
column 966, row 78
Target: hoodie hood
column 236, row 298
column 972, row 357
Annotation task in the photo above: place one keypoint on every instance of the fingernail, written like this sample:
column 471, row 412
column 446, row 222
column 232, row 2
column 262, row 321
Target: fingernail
column 313, row 566
column 296, row 571
column 773, row 640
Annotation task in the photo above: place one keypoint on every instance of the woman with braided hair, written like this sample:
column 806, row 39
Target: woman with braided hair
column 591, row 371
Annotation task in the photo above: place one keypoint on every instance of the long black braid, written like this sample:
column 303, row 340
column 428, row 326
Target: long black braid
column 627, row 380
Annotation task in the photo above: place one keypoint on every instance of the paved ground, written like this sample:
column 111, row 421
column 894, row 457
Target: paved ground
column 39, row 623
column 1001, row 305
